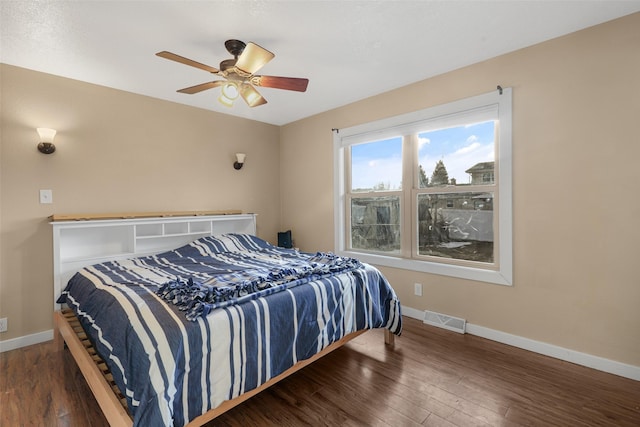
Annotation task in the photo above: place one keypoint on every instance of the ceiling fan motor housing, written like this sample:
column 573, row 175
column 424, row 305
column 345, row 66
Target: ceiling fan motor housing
column 235, row 47
column 227, row 64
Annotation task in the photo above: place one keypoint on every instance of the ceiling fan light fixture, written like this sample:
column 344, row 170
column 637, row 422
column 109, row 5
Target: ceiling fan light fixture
column 230, row 90
column 225, row 101
column 251, row 96
column 228, row 94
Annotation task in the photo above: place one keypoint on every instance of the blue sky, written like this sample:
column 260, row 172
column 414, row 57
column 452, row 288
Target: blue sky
column 459, row 148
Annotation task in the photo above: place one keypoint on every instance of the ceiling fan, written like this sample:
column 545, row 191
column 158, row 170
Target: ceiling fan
column 239, row 74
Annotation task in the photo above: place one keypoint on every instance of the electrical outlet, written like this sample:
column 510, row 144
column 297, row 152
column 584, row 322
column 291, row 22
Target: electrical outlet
column 3, row 324
column 417, row 289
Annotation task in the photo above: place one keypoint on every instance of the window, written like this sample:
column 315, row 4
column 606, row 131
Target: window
column 375, row 195
column 429, row 191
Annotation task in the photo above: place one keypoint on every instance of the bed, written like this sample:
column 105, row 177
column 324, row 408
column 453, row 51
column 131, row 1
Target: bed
column 182, row 335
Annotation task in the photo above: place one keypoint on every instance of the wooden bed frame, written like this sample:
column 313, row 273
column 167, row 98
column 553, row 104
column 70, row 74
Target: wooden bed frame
column 133, row 227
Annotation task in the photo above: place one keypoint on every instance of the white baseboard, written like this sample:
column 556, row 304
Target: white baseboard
column 413, row 313
column 583, row 359
column 14, row 343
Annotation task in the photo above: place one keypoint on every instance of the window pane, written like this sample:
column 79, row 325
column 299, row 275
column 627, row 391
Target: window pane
column 456, row 225
column 377, row 165
column 375, row 223
column 457, row 156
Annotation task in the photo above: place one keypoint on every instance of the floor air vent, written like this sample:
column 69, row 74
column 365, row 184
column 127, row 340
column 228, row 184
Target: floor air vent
column 443, row 321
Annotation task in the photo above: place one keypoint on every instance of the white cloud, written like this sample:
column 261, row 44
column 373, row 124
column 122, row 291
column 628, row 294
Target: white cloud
column 468, row 149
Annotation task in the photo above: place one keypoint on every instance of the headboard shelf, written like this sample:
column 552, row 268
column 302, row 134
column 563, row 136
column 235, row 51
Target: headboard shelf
column 81, row 242
column 135, row 215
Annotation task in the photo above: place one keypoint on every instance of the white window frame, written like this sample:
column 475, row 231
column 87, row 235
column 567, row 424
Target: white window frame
column 380, row 129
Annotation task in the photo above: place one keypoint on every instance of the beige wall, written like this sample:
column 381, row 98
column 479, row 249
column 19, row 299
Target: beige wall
column 576, row 106
column 116, row 152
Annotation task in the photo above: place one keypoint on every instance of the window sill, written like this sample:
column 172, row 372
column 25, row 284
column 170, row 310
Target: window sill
column 469, row 273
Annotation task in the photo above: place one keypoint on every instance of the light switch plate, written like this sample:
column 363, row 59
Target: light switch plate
column 46, row 196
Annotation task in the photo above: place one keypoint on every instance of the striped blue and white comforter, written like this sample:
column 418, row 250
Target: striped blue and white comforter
column 174, row 363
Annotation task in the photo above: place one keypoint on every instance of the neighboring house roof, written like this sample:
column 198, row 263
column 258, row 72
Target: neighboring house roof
column 481, row 167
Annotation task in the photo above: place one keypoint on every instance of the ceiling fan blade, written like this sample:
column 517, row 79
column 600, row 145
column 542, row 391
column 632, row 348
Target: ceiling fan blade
column 288, row 83
column 251, row 96
column 186, row 61
column 253, row 57
column 204, row 86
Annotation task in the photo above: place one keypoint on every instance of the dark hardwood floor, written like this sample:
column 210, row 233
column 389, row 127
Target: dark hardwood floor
column 431, row 377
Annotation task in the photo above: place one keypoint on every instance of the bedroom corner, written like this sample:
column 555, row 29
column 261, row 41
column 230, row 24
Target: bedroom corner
column 115, row 152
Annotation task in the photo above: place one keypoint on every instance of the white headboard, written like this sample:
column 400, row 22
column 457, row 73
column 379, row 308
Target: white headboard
column 79, row 243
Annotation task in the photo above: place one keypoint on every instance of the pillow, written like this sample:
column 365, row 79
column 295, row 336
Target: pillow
column 229, row 243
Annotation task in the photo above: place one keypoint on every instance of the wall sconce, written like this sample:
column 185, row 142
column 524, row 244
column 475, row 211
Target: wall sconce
column 237, row 165
column 46, row 140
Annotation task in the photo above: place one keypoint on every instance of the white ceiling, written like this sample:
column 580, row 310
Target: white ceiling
column 349, row 50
